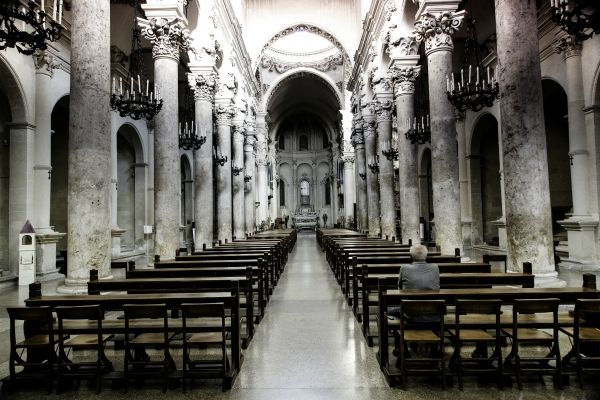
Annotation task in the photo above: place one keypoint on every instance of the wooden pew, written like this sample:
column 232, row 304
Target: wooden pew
column 257, row 275
column 394, row 269
column 112, row 302
column 372, row 283
column 389, row 299
column 184, row 285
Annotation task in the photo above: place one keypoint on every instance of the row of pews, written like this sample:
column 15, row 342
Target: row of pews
column 213, row 297
column 367, row 270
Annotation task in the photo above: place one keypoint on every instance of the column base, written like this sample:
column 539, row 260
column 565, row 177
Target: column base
column 466, row 233
column 549, row 280
column 579, row 265
column 115, row 234
column 500, row 223
column 76, row 286
column 46, row 255
column 581, row 244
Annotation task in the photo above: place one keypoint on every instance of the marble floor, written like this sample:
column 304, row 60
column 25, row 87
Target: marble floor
column 307, row 347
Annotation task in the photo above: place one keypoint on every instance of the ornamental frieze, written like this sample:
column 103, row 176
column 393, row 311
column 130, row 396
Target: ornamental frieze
column 327, row 64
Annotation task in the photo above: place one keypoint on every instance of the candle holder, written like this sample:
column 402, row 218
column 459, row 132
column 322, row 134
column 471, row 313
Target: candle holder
column 374, row 164
column 257, row 204
column 390, row 152
column 362, row 175
column 247, row 178
column 235, row 170
column 189, row 139
column 472, row 94
column 579, row 18
column 419, row 132
column 25, row 28
column 218, row 158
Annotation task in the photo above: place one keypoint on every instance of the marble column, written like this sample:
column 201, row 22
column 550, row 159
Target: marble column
column 358, row 141
column 435, row 28
column 249, row 167
column 89, row 241
column 384, row 95
column 580, row 225
column 373, row 223
column 349, row 189
column 168, row 37
column 203, row 80
column 404, row 90
column 239, row 218
column 528, row 212
column 224, row 113
column 45, row 63
column 261, row 162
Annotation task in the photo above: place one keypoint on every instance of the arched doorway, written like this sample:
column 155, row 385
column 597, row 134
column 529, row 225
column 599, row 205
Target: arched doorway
column 59, row 156
column 557, row 144
column 126, row 192
column 426, row 193
column 486, row 194
column 187, row 192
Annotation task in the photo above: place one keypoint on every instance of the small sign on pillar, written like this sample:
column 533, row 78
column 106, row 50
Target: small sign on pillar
column 27, row 255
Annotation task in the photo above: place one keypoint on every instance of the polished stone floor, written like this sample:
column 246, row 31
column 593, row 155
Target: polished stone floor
column 307, row 347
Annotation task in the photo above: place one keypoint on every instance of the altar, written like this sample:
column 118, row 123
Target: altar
column 305, row 218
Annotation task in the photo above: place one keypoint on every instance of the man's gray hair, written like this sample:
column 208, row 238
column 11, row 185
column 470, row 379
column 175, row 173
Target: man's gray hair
column 418, row 252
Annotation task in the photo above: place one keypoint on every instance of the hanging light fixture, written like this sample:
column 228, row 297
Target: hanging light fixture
column 235, row 170
column 25, row 28
column 579, row 18
column 247, row 178
column 135, row 102
column 218, row 157
column 418, row 131
column 188, row 130
column 474, row 87
column 374, row 164
column 362, row 175
column 390, row 150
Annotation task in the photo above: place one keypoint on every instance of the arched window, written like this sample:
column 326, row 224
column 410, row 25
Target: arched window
column 281, row 193
column 304, row 193
column 303, row 143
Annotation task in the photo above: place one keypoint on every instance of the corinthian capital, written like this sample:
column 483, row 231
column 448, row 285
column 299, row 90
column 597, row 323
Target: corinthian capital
column 382, row 84
column 369, row 127
column 383, row 110
column 436, row 30
column 224, row 114
column 238, row 131
column 203, row 85
column 404, row 79
column 168, row 37
column 569, row 46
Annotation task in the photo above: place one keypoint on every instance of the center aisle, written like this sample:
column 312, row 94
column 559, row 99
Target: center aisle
column 308, row 339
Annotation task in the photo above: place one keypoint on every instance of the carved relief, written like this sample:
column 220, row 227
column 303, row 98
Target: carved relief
column 404, row 79
column 329, row 63
column 227, row 85
column 45, row 62
column 383, row 109
column 436, row 30
column 401, row 45
column 569, row 46
column 224, row 114
column 203, row 86
column 167, row 37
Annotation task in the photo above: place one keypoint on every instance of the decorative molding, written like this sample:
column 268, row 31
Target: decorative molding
column 404, row 79
column 399, row 45
column 348, row 159
column 384, row 109
column 224, row 114
column 227, row 85
column 167, row 37
column 203, row 85
column 329, row 63
column 369, row 128
column 436, row 30
column 45, row 62
column 568, row 46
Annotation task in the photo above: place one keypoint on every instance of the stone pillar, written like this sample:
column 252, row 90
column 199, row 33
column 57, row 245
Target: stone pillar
column 168, row 37
column 261, row 162
column 435, row 28
column 203, row 80
column 44, row 63
column 528, row 212
column 349, row 189
column 239, row 221
column 580, row 225
column 374, row 224
column 249, row 167
column 358, row 141
column 224, row 112
column 383, row 108
column 89, row 240
column 405, row 75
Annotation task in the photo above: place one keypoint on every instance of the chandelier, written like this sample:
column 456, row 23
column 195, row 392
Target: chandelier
column 362, row 175
column 218, row 156
column 235, row 170
column 135, row 102
column 188, row 137
column 579, row 18
column 247, row 178
column 374, row 164
column 418, row 131
column 477, row 92
column 25, row 28
column 389, row 150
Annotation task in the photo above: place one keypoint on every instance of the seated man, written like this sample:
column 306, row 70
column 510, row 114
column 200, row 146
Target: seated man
column 418, row 275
